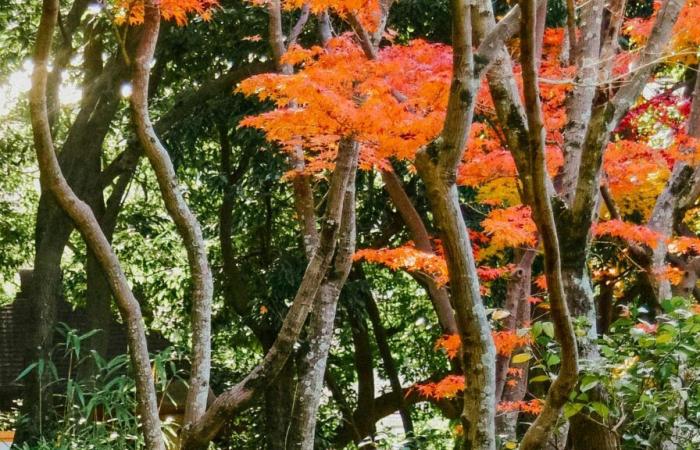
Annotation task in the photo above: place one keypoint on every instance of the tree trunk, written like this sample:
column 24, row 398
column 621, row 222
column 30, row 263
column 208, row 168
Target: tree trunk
column 185, row 222
column 312, row 366
column 388, row 362
column 439, row 296
column 243, row 394
column 53, row 180
column 364, row 367
column 478, row 353
column 99, row 295
column 664, row 214
column 78, row 159
column 518, row 305
column 542, row 213
column 437, row 164
column 277, row 409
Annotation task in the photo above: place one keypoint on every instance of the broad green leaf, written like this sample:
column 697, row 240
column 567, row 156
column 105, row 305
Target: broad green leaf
column 548, row 328
column 602, row 410
column 571, row 409
column 588, row 383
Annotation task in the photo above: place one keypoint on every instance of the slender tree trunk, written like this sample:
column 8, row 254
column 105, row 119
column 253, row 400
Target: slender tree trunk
column 186, row 223
column 543, row 215
column 53, row 180
column 81, row 151
column 364, row 367
column 608, row 109
column 578, row 105
column 416, row 228
column 664, row 214
column 320, row 330
column 517, row 304
column 507, row 422
column 478, row 352
column 388, row 362
column 278, row 402
column 242, row 395
column 99, row 295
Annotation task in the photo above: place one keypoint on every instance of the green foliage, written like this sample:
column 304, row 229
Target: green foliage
column 100, row 411
column 652, row 374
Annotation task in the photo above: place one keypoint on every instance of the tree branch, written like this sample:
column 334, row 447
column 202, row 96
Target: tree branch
column 186, row 223
column 246, row 391
column 539, row 432
column 607, row 114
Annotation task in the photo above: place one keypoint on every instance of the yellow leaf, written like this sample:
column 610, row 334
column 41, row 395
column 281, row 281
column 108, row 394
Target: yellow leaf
column 521, row 358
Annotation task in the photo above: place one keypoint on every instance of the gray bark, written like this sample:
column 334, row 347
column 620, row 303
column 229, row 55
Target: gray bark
column 436, row 165
column 578, row 105
column 251, row 387
column 186, row 223
column 312, row 366
column 665, row 212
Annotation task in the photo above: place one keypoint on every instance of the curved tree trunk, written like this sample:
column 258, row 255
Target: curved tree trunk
column 79, row 158
column 52, row 179
column 186, row 223
column 557, row 395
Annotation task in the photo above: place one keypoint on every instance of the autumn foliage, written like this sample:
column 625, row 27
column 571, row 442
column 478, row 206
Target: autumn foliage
column 131, row 11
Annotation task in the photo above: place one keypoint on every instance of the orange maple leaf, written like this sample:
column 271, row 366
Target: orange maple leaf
column 628, row 231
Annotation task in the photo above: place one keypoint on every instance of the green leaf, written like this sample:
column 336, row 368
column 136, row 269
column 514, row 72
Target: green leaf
column 588, row 383
column 536, row 329
column 27, row 369
column 548, row 328
column 521, row 358
column 664, row 338
column 602, row 410
column 571, row 409
column 539, row 379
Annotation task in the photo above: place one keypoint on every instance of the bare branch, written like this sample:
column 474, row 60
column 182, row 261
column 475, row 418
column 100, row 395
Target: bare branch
column 607, row 113
column 299, row 26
